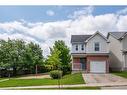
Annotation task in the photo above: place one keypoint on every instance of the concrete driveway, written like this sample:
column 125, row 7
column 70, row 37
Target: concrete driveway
column 103, row 79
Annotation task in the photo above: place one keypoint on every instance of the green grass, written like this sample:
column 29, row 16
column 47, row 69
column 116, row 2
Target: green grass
column 67, row 88
column 67, row 79
column 122, row 74
column 2, row 78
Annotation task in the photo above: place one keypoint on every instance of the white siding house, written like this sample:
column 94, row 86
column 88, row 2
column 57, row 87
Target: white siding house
column 118, row 50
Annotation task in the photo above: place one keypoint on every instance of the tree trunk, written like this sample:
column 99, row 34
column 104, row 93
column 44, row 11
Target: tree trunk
column 36, row 70
column 14, row 71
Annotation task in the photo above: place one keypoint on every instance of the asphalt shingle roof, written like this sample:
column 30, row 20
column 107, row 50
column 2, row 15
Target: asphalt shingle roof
column 79, row 38
column 118, row 35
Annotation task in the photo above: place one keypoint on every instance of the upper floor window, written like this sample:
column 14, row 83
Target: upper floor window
column 82, row 47
column 76, row 48
column 96, row 46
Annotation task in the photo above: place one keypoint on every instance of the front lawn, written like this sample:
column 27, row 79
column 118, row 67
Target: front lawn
column 122, row 74
column 2, row 78
column 67, row 79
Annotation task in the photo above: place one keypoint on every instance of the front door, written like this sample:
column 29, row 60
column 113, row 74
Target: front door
column 83, row 63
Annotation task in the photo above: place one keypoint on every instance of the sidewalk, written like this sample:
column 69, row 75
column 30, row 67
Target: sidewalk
column 67, row 86
column 3, row 80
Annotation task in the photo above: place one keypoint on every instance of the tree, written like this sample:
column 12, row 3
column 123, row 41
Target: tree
column 34, row 56
column 53, row 60
column 63, row 55
column 65, row 51
column 19, row 56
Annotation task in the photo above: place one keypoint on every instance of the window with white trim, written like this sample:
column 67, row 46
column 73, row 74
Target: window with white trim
column 97, row 46
column 76, row 47
column 82, row 47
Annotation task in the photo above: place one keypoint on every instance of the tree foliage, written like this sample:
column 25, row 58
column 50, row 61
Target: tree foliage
column 60, row 57
column 18, row 55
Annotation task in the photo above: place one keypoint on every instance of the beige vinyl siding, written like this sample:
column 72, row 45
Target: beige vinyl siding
column 124, row 47
column 116, row 58
column 101, row 40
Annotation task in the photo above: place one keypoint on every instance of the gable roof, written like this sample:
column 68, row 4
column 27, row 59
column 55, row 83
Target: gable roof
column 84, row 38
column 117, row 35
column 79, row 38
column 96, row 34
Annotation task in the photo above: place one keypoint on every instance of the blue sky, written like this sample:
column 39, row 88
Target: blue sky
column 46, row 24
column 39, row 13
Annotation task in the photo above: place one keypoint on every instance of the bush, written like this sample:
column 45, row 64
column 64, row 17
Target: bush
column 56, row 74
column 66, row 69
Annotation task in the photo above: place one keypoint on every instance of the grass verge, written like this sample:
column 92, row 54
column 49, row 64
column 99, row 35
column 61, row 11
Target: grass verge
column 122, row 73
column 67, row 79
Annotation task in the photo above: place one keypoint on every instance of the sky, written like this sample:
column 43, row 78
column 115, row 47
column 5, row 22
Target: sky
column 46, row 24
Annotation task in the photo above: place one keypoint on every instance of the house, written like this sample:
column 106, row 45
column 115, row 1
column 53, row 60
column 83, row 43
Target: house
column 118, row 50
column 90, row 53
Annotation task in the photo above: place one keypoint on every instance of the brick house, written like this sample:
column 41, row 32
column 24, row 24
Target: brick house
column 90, row 53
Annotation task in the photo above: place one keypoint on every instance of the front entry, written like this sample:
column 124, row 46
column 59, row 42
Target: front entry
column 83, row 63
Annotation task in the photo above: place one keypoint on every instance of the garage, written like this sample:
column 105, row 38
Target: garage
column 97, row 66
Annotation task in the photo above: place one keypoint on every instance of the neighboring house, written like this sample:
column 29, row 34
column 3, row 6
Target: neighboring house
column 90, row 53
column 118, row 50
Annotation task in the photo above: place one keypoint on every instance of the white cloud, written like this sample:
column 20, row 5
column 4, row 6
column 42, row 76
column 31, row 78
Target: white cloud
column 121, row 24
column 46, row 33
column 50, row 13
column 82, row 12
column 123, row 11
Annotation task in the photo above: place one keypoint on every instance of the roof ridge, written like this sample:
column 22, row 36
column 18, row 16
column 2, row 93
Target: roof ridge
column 81, row 35
column 118, row 32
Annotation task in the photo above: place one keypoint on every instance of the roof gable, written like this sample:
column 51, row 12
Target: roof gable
column 95, row 35
column 117, row 35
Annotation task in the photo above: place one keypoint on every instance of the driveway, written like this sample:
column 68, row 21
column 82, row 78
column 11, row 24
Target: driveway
column 103, row 79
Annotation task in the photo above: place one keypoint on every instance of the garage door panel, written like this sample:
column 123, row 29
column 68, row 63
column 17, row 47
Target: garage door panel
column 98, row 66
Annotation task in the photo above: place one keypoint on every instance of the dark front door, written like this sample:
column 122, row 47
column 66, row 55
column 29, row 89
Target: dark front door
column 83, row 63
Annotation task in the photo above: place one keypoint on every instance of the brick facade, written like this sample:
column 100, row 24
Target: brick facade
column 76, row 64
column 97, row 58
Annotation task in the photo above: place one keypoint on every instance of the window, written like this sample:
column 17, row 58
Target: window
column 97, row 45
column 76, row 47
column 82, row 47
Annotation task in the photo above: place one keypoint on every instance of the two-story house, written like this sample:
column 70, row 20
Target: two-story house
column 90, row 53
column 118, row 50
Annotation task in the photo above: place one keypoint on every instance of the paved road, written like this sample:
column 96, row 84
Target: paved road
column 113, row 88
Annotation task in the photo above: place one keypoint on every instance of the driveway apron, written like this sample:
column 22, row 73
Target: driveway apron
column 103, row 78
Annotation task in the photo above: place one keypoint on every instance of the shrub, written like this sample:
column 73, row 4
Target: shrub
column 56, row 74
column 66, row 69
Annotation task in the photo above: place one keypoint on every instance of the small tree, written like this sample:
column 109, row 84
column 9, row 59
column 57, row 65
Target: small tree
column 64, row 55
column 54, row 59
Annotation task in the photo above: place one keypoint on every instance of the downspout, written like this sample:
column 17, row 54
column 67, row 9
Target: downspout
column 86, row 57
